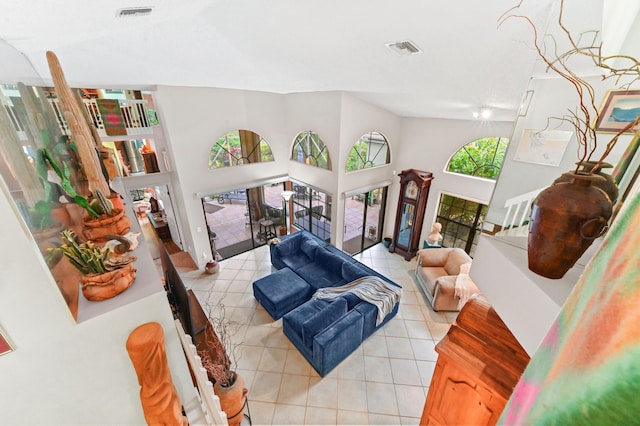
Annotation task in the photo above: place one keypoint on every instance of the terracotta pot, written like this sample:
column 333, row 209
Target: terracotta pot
column 61, row 215
column 232, row 399
column 608, row 185
column 565, row 220
column 96, row 229
column 117, row 201
column 99, row 287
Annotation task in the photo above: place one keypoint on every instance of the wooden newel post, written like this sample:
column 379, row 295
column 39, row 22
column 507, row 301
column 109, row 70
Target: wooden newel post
column 158, row 396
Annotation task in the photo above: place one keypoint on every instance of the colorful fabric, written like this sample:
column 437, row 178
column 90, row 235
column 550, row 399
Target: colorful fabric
column 111, row 116
column 587, row 369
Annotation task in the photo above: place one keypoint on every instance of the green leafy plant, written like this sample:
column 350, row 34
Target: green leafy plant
column 45, row 156
column 86, row 257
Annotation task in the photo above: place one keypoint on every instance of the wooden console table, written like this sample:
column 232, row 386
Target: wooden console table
column 479, row 364
column 160, row 225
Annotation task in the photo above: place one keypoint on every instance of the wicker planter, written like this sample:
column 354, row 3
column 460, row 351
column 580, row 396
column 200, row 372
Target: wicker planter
column 110, row 284
column 96, row 229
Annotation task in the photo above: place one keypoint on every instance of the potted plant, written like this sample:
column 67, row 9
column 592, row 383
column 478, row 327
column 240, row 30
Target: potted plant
column 102, row 219
column 219, row 357
column 570, row 214
column 105, row 274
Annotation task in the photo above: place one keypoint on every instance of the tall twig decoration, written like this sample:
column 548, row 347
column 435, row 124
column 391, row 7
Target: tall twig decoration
column 586, row 44
column 81, row 134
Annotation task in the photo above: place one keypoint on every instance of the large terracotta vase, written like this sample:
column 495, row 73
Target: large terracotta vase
column 97, row 229
column 565, row 220
column 608, row 185
column 110, row 284
column 232, row 399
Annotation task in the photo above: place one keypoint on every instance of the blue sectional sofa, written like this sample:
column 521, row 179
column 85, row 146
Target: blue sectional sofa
column 325, row 332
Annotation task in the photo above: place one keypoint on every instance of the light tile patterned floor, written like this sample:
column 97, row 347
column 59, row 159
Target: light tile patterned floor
column 384, row 381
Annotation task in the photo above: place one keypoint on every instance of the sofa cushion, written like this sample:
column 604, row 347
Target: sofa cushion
column 294, row 319
column 430, row 275
column 280, row 292
column 351, row 272
column 456, row 258
column 309, row 247
column 321, row 320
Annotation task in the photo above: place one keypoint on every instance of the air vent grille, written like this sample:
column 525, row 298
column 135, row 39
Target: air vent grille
column 405, row 47
column 134, row 11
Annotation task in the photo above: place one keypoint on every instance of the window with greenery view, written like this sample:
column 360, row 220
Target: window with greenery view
column 239, row 147
column 461, row 222
column 482, row 158
column 371, row 150
column 309, row 149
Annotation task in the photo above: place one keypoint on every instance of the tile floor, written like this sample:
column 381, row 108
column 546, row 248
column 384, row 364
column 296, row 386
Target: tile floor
column 384, row 381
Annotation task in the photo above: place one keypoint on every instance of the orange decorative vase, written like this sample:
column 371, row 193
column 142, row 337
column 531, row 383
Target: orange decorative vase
column 232, row 399
column 565, row 220
column 96, row 229
column 97, row 287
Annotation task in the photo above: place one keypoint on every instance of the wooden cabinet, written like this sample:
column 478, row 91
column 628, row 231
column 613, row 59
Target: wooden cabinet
column 479, row 364
column 414, row 192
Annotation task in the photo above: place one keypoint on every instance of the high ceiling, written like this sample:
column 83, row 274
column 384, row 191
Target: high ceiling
column 288, row 46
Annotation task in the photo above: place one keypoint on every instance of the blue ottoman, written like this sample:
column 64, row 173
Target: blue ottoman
column 281, row 292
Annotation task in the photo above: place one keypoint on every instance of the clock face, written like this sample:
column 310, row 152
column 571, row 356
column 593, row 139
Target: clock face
column 411, row 190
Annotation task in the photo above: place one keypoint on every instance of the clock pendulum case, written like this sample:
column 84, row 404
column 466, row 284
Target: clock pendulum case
column 412, row 202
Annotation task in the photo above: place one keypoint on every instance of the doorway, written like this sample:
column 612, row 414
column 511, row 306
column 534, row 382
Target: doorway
column 363, row 219
column 243, row 219
column 461, row 221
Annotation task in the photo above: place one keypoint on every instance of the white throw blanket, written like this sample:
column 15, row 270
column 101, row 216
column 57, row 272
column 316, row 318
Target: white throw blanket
column 370, row 289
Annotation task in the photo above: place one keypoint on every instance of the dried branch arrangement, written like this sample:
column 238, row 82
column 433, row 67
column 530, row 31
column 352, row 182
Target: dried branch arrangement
column 223, row 352
column 623, row 68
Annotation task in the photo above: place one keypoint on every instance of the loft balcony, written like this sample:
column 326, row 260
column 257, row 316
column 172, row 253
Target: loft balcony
column 132, row 113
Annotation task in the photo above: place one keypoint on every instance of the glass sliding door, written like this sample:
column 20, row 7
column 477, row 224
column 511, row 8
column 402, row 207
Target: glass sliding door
column 243, row 219
column 461, row 222
column 363, row 219
column 312, row 210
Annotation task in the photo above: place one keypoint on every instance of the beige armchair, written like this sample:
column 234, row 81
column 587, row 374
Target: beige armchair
column 442, row 273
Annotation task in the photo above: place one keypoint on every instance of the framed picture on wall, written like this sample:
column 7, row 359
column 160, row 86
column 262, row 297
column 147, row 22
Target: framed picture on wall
column 620, row 107
column 5, row 345
column 542, row 146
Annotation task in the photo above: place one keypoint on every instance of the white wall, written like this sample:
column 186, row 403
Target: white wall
column 552, row 97
column 194, row 119
column 428, row 144
column 62, row 372
column 357, row 119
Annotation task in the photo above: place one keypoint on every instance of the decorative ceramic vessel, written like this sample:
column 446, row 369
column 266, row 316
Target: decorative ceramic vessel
column 211, row 267
column 565, row 220
column 97, row 229
column 97, row 287
column 608, row 185
column 232, row 399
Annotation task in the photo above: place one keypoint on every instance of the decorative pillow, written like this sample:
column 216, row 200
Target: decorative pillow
column 323, row 319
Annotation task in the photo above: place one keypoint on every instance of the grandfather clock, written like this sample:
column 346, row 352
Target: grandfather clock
column 414, row 191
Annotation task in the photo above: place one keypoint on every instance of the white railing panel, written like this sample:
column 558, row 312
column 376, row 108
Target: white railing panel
column 522, row 201
column 210, row 401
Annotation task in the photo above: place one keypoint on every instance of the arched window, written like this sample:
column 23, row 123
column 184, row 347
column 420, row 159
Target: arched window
column 309, row 149
column 482, row 158
column 371, row 150
column 239, row 147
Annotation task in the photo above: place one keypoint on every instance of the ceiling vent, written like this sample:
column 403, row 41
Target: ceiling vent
column 133, row 11
column 406, row 47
